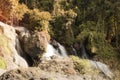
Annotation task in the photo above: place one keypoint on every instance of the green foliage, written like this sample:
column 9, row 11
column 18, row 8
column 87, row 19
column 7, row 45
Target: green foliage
column 63, row 26
column 58, row 27
column 44, row 5
column 70, row 14
column 82, row 65
column 38, row 20
column 17, row 13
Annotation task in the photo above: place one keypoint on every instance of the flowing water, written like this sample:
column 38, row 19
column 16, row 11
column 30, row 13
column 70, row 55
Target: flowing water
column 62, row 51
column 74, row 51
column 102, row 67
column 18, row 47
column 51, row 51
column 96, row 64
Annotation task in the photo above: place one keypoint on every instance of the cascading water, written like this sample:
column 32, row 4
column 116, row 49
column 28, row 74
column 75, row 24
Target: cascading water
column 74, row 50
column 50, row 51
column 21, row 32
column 19, row 50
column 62, row 51
column 103, row 67
column 98, row 65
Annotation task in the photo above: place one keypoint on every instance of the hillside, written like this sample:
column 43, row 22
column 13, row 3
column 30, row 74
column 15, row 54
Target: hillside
column 75, row 39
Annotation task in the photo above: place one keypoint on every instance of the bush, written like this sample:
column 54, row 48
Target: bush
column 17, row 13
column 37, row 20
column 81, row 65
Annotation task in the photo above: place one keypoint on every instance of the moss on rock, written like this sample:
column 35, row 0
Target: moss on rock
column 82, row 65
column 4, row 43
column 2, row 63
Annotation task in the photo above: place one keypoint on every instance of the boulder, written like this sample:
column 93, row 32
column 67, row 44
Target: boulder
column 33, row 44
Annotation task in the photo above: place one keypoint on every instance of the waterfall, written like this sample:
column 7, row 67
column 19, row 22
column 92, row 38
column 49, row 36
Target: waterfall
column 102, row 67
column 18, row 47
column 62, row 51
column 74, row 50
column 50, row 51
column 98, row 65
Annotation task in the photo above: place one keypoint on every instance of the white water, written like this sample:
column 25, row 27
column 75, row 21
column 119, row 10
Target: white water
column 51, row 51
column 63, row 51
column 74, row 51
column 98, row 65
column 102, row 67
column 18, row 47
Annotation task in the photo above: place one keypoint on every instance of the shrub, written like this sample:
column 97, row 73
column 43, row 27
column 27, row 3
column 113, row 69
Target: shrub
column 38, row 20
column 81, row 65
column 17, row 13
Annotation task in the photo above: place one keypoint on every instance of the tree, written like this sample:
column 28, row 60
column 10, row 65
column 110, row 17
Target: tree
column 37, row 20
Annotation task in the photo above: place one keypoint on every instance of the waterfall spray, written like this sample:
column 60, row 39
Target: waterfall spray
column 50, row 51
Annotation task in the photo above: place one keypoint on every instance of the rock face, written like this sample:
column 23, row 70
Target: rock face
column 33, row 44
column 9, row 57
column 36, row 74
column 36, row 44
column 60, row 65
column 54, row 69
